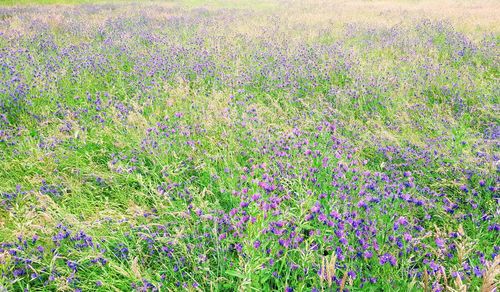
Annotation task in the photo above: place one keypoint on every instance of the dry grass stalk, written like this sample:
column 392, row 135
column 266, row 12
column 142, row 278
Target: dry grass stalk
column 342, row 283
column 328, row 269
column 426, row 281
column 490, row 277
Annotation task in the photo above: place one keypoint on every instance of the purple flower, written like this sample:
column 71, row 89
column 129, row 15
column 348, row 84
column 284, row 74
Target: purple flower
column 256, row 197
column 18, row 272
column 440, row 242
column 352, row 274
column 387, row 257
column 72, row 265
column 466, row 266
column 434, row 267
column 477, row 271
column 362, row 204
column 316, row 208
column 400, row 222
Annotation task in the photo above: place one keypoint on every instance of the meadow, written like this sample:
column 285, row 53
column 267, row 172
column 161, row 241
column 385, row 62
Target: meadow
column 249, row 145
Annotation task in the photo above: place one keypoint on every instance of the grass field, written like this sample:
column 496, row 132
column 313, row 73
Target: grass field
column 249, row 145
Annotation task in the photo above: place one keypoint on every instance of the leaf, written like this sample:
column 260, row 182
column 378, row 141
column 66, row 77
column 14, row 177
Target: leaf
column 264, row 279
column 235, row 274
